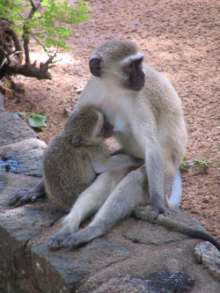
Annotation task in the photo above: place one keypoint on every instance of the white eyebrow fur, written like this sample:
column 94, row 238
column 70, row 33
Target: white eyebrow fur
column 130, row 58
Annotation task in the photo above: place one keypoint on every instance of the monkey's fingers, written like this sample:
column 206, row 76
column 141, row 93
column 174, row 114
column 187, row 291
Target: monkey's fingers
column 158, row 209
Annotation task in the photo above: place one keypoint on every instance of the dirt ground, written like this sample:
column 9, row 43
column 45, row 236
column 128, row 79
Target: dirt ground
column 180, row 38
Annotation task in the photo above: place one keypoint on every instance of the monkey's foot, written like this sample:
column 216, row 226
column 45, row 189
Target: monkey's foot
column 82, row 237
column 56, row 241
column 24, row 196
column 64, row 240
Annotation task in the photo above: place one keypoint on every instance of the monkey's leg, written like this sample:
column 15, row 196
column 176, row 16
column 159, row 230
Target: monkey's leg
column 24, row 196
column 128, row 194
column 87, row 204
column 155, row 175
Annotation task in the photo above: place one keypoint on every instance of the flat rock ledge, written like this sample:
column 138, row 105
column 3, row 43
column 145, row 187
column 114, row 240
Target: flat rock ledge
column 135, row 256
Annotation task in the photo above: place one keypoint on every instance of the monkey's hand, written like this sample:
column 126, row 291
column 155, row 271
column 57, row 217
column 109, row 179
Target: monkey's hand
column 25, row 196
column 158, row 208
column 147, row 213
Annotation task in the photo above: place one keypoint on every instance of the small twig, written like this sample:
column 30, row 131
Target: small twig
column 41, row 44
column 49, row 63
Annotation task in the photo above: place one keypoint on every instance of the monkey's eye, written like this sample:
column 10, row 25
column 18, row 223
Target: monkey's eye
column 129, row 67
column 133, row 65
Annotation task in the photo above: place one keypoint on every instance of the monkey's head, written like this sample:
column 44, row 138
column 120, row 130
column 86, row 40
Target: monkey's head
column 85, row 126
column 120, row 61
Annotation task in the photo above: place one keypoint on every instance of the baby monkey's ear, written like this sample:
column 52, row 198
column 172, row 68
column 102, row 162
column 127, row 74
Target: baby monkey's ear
column 77, row 141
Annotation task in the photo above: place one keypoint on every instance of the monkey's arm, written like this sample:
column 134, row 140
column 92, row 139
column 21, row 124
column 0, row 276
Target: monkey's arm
column 178, row 221
column 115, row 162
column 155, row 175
column 27, row 195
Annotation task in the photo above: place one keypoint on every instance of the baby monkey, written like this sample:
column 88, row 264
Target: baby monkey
column 77, row 159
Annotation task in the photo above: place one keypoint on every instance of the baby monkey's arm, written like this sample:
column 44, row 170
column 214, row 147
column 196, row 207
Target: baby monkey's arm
column 116, row 162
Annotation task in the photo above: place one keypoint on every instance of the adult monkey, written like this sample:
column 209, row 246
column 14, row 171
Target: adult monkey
column 145, row 111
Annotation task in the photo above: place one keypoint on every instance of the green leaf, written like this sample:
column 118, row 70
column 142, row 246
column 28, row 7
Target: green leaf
column 37, row 121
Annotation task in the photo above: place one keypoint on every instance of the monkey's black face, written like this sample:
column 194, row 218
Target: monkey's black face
column 133, row 69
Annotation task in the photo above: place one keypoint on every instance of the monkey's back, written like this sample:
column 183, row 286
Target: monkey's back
column 168, row 112
column 67, row 172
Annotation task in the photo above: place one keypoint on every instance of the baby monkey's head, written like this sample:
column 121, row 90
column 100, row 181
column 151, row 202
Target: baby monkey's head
column 85, row 126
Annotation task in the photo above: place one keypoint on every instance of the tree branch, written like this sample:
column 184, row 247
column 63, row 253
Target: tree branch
column 31, row 70
column 26, row 31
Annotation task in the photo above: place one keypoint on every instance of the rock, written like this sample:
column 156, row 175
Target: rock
column 13, row 129
column 158, row 282
column 18, row 226
column 112, row 263
column 2, row 103
column 24, row 157
column 209, row 256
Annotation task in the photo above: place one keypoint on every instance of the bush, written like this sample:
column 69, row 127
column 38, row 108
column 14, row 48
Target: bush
column 46, row 21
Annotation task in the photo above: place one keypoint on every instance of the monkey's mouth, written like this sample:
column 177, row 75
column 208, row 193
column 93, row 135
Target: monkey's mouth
column 107, row 130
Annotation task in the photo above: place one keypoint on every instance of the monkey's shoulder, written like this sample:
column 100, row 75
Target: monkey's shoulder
column 158, row 84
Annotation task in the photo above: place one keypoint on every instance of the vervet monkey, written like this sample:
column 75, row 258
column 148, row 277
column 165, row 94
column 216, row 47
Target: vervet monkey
column 145, row 111
column 73, row 159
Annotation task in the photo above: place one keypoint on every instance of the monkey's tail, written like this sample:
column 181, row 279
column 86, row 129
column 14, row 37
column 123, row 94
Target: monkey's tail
column 201, row 235
column 175, row 198
column 192, row 232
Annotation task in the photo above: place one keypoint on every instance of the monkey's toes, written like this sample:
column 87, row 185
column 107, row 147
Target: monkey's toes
column 72, row 242
column 56, row 241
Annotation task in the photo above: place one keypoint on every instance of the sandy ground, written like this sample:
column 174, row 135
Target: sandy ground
column 180, row 38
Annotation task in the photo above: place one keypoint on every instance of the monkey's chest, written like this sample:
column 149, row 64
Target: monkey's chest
column 122, row 117
column 125, row 136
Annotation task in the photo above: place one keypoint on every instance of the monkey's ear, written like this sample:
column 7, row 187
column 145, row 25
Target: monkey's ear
column 95, row 65
column 77, row 141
